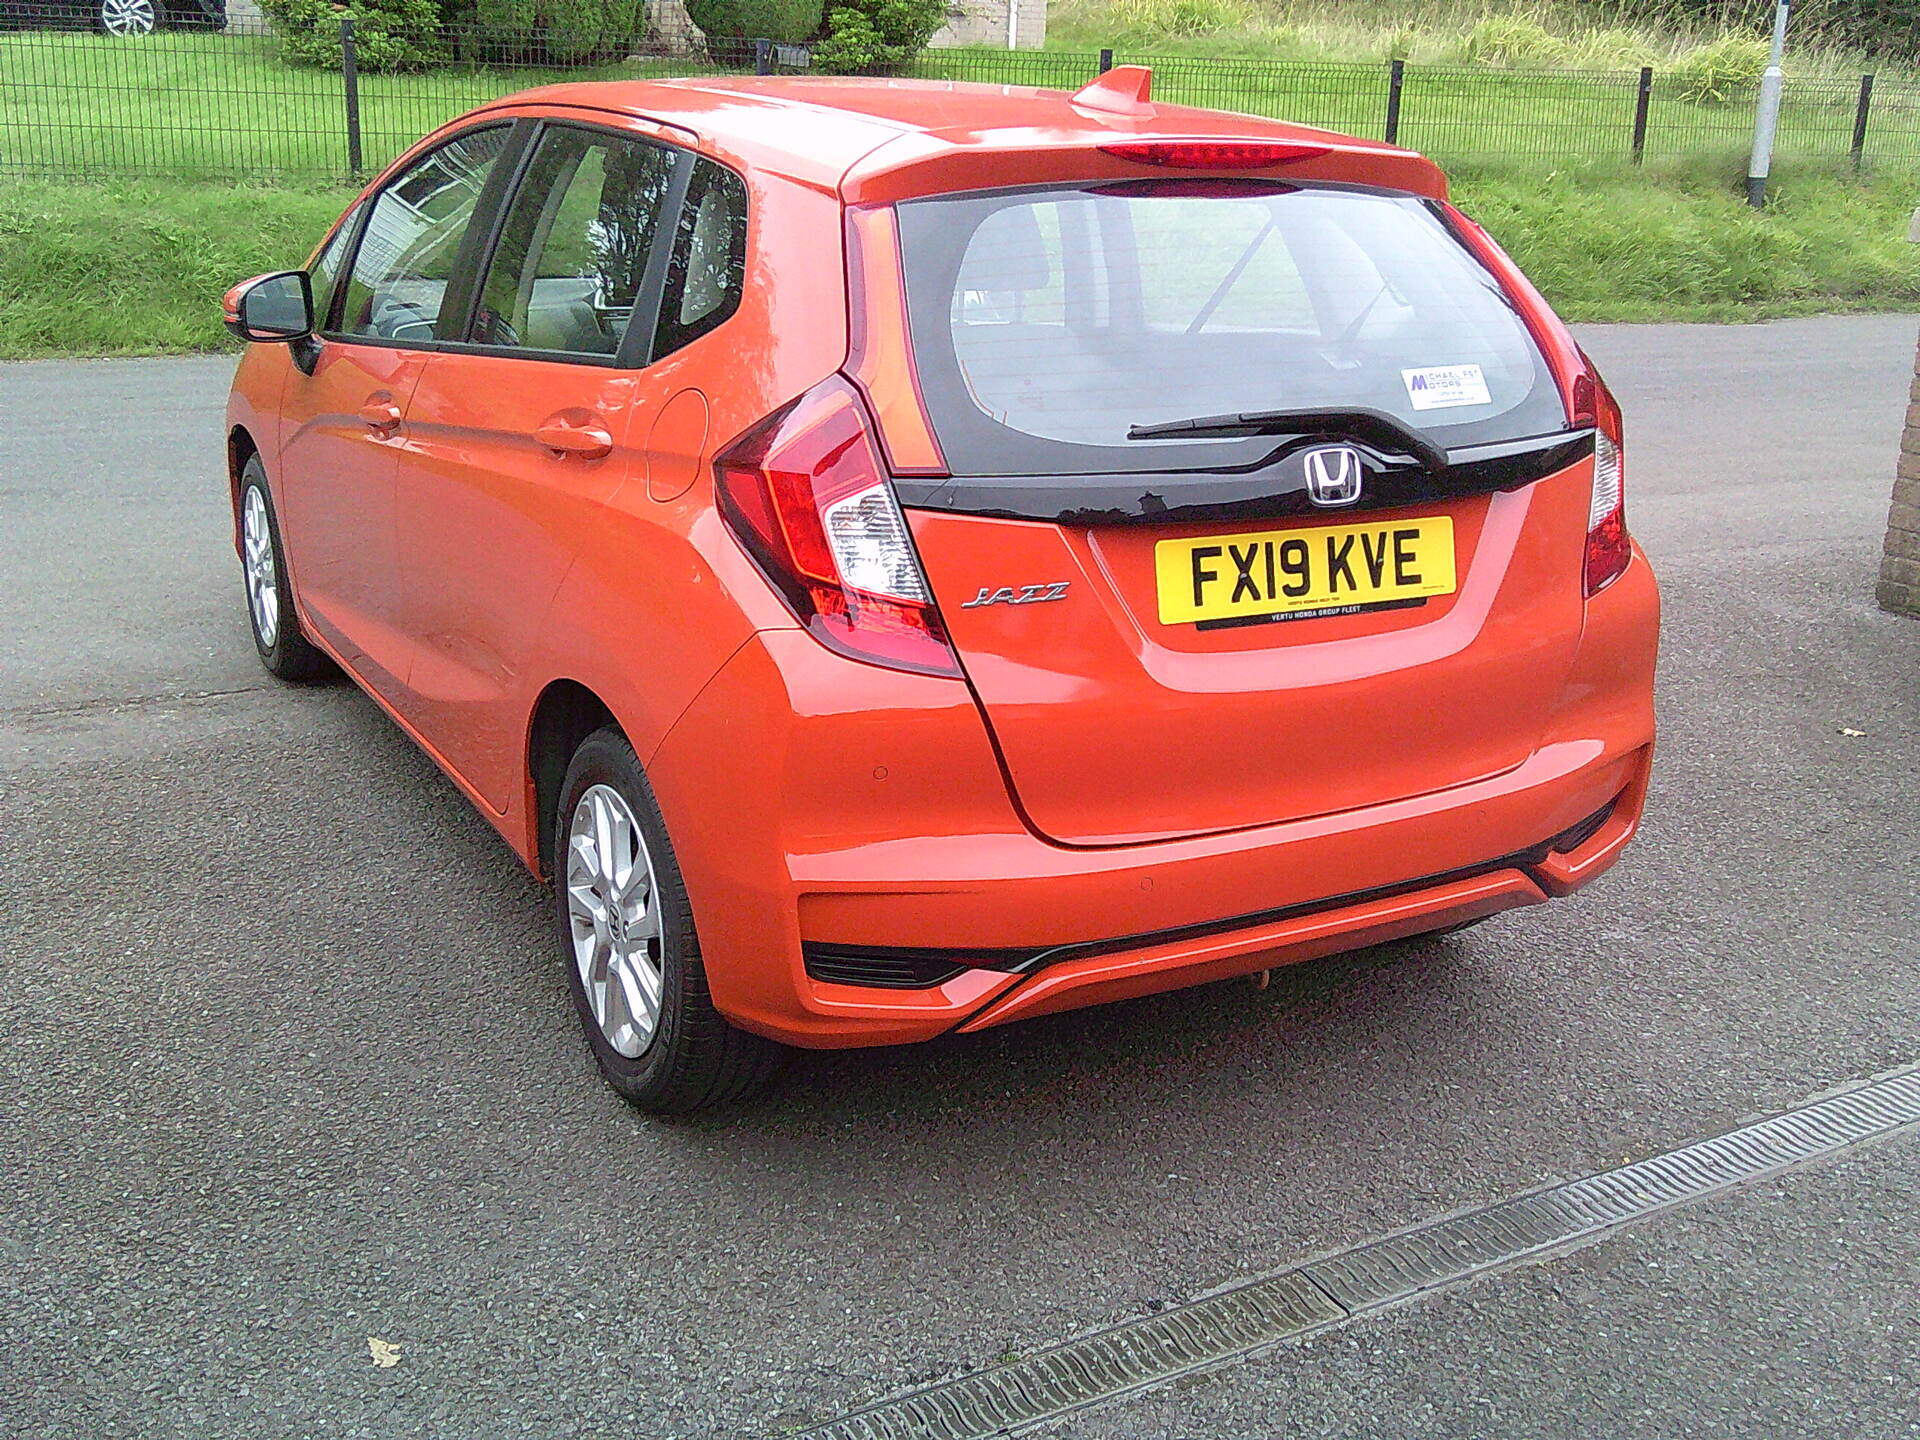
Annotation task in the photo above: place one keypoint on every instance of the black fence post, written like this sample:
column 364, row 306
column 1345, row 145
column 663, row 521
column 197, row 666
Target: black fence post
column 1641, row 105
column 350, row 79
column 1860, row 121
column 763, row 57
column 1106, row 61
column 1396, row 81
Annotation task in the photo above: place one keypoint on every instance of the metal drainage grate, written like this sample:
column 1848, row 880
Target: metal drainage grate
column 1254, row 1315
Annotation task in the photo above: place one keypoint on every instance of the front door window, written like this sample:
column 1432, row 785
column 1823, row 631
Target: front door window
column 401, row 274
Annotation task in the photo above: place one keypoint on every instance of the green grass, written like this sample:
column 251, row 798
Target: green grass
column 138, row 267
column 1684, row 245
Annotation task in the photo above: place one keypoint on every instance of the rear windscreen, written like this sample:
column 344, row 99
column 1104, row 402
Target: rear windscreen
column 1049, row 323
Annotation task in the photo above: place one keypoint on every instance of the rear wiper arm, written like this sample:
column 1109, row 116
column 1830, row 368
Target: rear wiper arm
column 1374, row 426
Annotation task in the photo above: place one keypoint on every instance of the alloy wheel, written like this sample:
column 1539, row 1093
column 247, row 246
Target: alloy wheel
column 614, row 920
column 263, row 575
column 127, row 17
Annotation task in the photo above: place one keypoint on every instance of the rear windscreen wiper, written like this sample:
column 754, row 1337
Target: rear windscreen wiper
column 1374, row 426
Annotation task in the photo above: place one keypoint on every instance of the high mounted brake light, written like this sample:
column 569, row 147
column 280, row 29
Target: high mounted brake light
column 807, row 496
column 1216, row 154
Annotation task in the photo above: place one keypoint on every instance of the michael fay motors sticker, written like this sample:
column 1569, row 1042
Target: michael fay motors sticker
column 1440, row 387
column 1245, row 579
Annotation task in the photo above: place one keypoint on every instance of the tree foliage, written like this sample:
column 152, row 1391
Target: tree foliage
column 387, row 34
column 547, row 32
column 877, row 37
column 733, row 24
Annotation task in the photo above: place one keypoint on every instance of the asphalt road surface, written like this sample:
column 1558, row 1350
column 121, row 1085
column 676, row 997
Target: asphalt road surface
column 286, row 1060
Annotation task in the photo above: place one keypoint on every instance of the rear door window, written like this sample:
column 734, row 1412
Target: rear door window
column 575, row 244
column 1047, row 324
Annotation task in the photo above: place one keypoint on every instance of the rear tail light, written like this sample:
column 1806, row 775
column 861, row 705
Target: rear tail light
column 1608, row 548
column 807, row 496
column 1589, row 404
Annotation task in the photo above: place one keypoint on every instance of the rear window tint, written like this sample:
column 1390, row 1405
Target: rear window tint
column 1047, row 323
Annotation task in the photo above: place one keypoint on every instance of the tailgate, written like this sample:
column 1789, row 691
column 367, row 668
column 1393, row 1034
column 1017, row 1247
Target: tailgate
column 1116, row 726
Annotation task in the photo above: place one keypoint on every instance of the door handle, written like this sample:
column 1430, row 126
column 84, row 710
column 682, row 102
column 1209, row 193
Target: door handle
column 588, row 441
column 380, row 412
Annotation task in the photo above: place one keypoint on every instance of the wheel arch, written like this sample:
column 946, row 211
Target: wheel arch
column 566, row 713
column 241, row 447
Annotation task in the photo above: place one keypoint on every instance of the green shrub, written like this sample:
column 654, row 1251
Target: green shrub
column 877, row 37
column 1514, row 40
column 388, row 35
column 731, row 25
column 1720, row 71
column 547, row 32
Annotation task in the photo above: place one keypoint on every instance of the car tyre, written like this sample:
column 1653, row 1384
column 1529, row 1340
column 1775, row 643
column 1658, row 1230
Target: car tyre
column 271, row 615
column 627, row 937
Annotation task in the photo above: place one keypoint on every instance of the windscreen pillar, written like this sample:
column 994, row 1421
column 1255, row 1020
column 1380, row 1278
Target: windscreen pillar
column 1899, row 589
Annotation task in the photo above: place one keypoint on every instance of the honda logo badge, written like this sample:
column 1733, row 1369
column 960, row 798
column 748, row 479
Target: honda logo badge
column 1333, row 475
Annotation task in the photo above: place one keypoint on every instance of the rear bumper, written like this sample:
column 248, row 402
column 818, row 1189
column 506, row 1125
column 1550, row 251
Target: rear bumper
column 813, row 799
column 1340, row 926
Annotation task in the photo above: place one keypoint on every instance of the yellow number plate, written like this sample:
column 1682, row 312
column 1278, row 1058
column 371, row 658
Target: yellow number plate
column 1294, row 574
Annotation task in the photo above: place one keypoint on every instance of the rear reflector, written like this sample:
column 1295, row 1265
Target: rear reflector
column 805, row 493
column 1215, row 154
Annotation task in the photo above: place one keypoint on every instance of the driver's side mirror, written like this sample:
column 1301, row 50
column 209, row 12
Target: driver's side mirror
column 271, row 307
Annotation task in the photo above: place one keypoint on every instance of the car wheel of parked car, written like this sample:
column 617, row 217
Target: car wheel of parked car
column 127, row 17
column 626, row 931
column 284, row 649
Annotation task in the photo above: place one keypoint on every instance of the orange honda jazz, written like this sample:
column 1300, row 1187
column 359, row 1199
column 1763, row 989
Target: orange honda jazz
column 904, row 557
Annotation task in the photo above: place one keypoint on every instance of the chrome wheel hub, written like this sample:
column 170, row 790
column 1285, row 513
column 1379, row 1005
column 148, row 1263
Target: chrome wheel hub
column 613, row 920
column 256, row 558
column 127, row 17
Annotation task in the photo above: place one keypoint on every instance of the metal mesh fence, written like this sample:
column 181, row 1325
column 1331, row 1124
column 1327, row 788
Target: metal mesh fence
column 202, row 95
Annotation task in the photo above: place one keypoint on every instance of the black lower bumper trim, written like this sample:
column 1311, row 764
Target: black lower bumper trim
column 911, row 968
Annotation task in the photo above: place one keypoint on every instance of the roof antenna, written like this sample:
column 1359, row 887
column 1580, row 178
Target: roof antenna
column 1123, row 90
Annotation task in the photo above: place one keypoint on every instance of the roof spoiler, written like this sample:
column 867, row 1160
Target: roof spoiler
column 1123, row 90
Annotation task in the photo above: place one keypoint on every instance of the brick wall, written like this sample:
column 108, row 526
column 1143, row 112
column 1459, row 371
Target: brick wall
column 1900, row 569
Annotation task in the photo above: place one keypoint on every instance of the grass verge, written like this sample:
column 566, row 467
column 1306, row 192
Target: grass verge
column 1684, row 245
column 137, row 268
